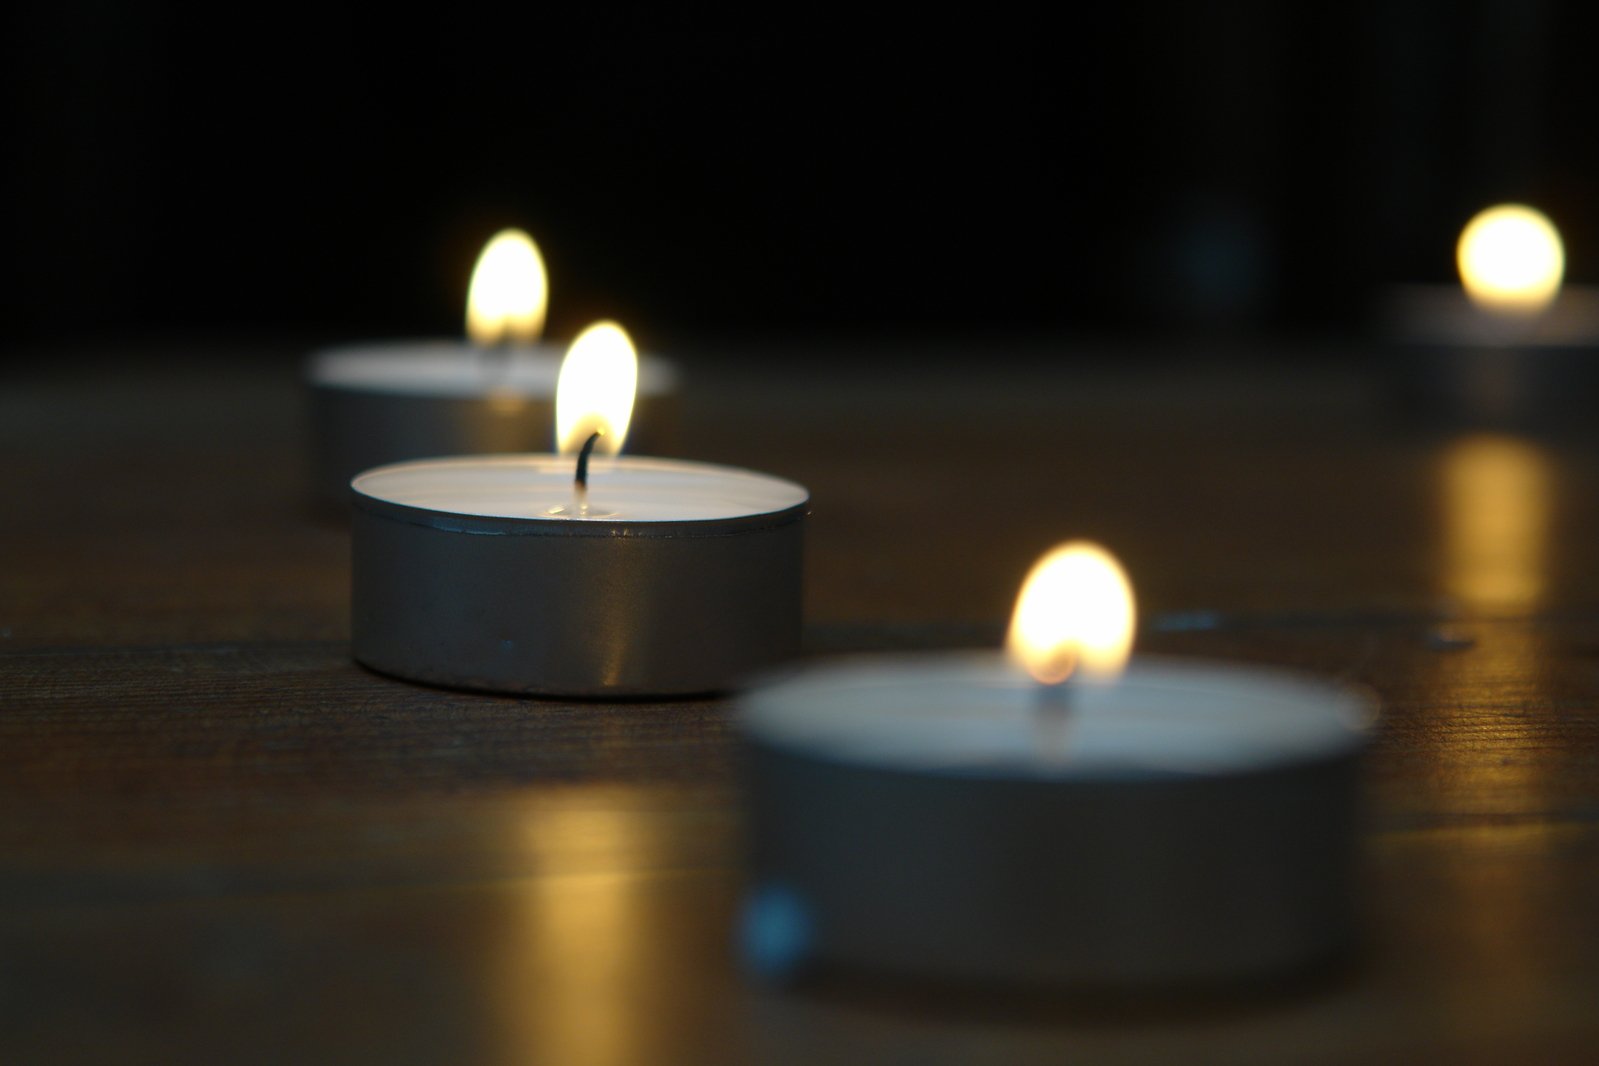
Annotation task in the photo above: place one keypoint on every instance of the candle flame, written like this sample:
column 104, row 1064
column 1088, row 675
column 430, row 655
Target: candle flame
column 1075, row 614
column 594, row 393
column 509, row 292
column 1511, row 260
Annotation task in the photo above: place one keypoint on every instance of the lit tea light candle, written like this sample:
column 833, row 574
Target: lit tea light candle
column 1052, row 814
column 383, row 402
column 1511, row 262
column 582, row 573
column 1512, row 344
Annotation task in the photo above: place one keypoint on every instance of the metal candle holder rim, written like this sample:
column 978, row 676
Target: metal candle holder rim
column 534, row 526
column 658, row 376
column 1088, row 781
column 1092, row 777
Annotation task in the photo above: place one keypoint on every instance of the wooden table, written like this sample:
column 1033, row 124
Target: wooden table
column 221, row 841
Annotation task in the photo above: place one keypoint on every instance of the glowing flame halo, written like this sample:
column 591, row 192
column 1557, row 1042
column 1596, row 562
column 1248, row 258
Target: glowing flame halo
column 1074, row 616
column 509, row 293
column 1511, row 260
column 595, row 390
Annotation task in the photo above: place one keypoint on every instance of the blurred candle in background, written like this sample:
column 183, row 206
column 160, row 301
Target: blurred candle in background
column 1510, row 346
column 390, row 401
column 1511, row 263
column 509, row 294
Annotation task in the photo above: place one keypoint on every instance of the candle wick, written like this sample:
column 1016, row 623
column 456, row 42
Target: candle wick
column 1055, row 709
column 582, row 478
column 494, row 356
column 1059, row 698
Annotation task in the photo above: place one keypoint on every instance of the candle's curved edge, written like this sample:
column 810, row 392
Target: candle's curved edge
column 450, row 370
column 1443, row 316
column 551, row 526
column 597, row 693
column 618, row 529
column 766, row 717
column 1066, row 775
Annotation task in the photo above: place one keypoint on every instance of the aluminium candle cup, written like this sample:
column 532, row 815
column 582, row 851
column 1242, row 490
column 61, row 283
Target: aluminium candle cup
column 461, row 579
column 373, row 404
column 933, row 844
column 1456, row 364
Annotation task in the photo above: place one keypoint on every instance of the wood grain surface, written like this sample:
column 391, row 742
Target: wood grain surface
column 221, row 841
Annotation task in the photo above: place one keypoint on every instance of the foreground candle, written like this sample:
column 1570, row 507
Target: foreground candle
column 390, row 401
column 949, row 816
column 680, row 578
column 579, row 574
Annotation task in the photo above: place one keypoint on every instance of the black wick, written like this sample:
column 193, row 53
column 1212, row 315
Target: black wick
column 1060, row 698
column 1054, row 712
column 582, row 478
column 496, row 354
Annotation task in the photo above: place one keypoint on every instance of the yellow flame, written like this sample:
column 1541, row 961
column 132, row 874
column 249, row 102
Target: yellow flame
column 1511, row 260
column 594, row 393
column 509, row 292
column 1074, row 614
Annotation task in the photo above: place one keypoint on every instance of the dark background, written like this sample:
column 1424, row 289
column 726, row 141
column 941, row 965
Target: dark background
column 330, row 171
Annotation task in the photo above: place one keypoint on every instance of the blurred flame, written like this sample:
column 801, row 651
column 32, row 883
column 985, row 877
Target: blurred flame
column 1511, row 260
column 595, row 390
column 509, row 292
column 1074, row 614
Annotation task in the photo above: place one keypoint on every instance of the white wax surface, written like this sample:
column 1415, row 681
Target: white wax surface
column 1444, row 314
column 456, row 369
column 974, row 712
column 623, row 488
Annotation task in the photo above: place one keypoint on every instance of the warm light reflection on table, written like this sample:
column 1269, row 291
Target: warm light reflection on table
column 572, row 959
column 577, row 970
column 1496, row 506
column 1497, row 510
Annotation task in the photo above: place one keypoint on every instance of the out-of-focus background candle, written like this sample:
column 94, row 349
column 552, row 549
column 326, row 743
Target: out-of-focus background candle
column 1510, row 345
column 383, row 402
column 509, row 294
column 1511, row 262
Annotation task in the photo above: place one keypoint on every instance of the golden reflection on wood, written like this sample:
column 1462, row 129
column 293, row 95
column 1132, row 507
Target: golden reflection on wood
column 1503, row 896
column 575, row 963
column 1492, row 761
column 508, row 404
column 1496, row 511
column 1488, row 757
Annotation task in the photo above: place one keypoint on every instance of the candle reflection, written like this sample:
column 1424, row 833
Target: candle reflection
column 586, row 956
column 1496, row 512
column 1488, row 752
column 573, row 958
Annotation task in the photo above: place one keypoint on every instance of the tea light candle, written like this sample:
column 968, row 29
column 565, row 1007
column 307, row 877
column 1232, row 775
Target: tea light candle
column 951, row 817
column 1511, row 345
column 653, row 578
column 383, row 402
